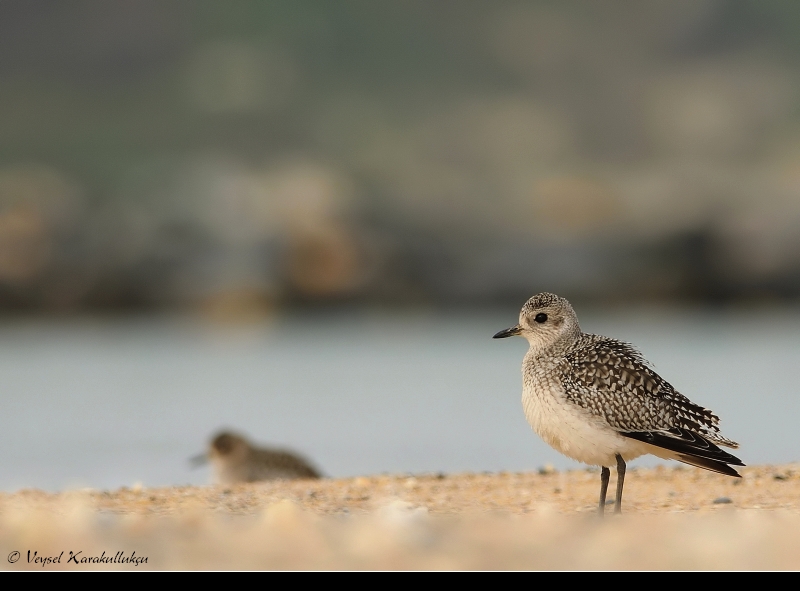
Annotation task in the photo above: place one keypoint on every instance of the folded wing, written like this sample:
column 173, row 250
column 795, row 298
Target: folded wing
column 690, row 448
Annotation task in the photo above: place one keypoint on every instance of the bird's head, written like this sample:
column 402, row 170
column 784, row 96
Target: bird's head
column 228, row 446
column 546, row 320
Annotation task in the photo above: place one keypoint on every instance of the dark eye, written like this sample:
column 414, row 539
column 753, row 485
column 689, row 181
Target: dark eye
column 541, row 317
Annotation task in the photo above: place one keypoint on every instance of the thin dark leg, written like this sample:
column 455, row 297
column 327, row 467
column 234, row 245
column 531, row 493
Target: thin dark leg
column 605, row 474
column 620, row 482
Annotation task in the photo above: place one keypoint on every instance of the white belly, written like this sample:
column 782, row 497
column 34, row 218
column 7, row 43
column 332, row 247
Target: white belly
column 575, row 432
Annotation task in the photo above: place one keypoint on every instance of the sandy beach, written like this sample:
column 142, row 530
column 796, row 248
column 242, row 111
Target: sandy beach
column 674, row 518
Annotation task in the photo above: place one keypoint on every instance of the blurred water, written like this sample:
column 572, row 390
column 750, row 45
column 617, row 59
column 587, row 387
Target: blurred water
column 110, row 403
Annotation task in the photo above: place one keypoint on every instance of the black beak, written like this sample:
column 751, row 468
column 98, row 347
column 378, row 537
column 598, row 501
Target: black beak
column 509, row 332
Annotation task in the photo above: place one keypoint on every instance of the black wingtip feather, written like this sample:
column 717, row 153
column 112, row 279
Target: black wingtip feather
column 712, row 465
column 691, row 448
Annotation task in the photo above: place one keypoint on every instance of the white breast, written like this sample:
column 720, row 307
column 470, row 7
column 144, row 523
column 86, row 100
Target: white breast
column 570, row 429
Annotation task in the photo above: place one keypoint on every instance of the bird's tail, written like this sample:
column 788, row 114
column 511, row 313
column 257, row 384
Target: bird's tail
column 690, row 448
column 713, row 465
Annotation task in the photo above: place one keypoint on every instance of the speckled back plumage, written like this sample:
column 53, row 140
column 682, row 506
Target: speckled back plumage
column 266, row 464
column 611, row 379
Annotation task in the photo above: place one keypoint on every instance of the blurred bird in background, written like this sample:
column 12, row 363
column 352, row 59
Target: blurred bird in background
column 234, row 459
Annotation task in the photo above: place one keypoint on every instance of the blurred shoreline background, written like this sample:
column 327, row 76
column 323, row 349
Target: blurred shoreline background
column 235, row 157
column 357, row 195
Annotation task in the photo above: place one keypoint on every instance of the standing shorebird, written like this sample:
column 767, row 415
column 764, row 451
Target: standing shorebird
column 234, row 459
column 597, row 400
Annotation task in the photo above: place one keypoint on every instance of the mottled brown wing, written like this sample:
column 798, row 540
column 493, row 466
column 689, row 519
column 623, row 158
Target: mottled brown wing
column 612, row 380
